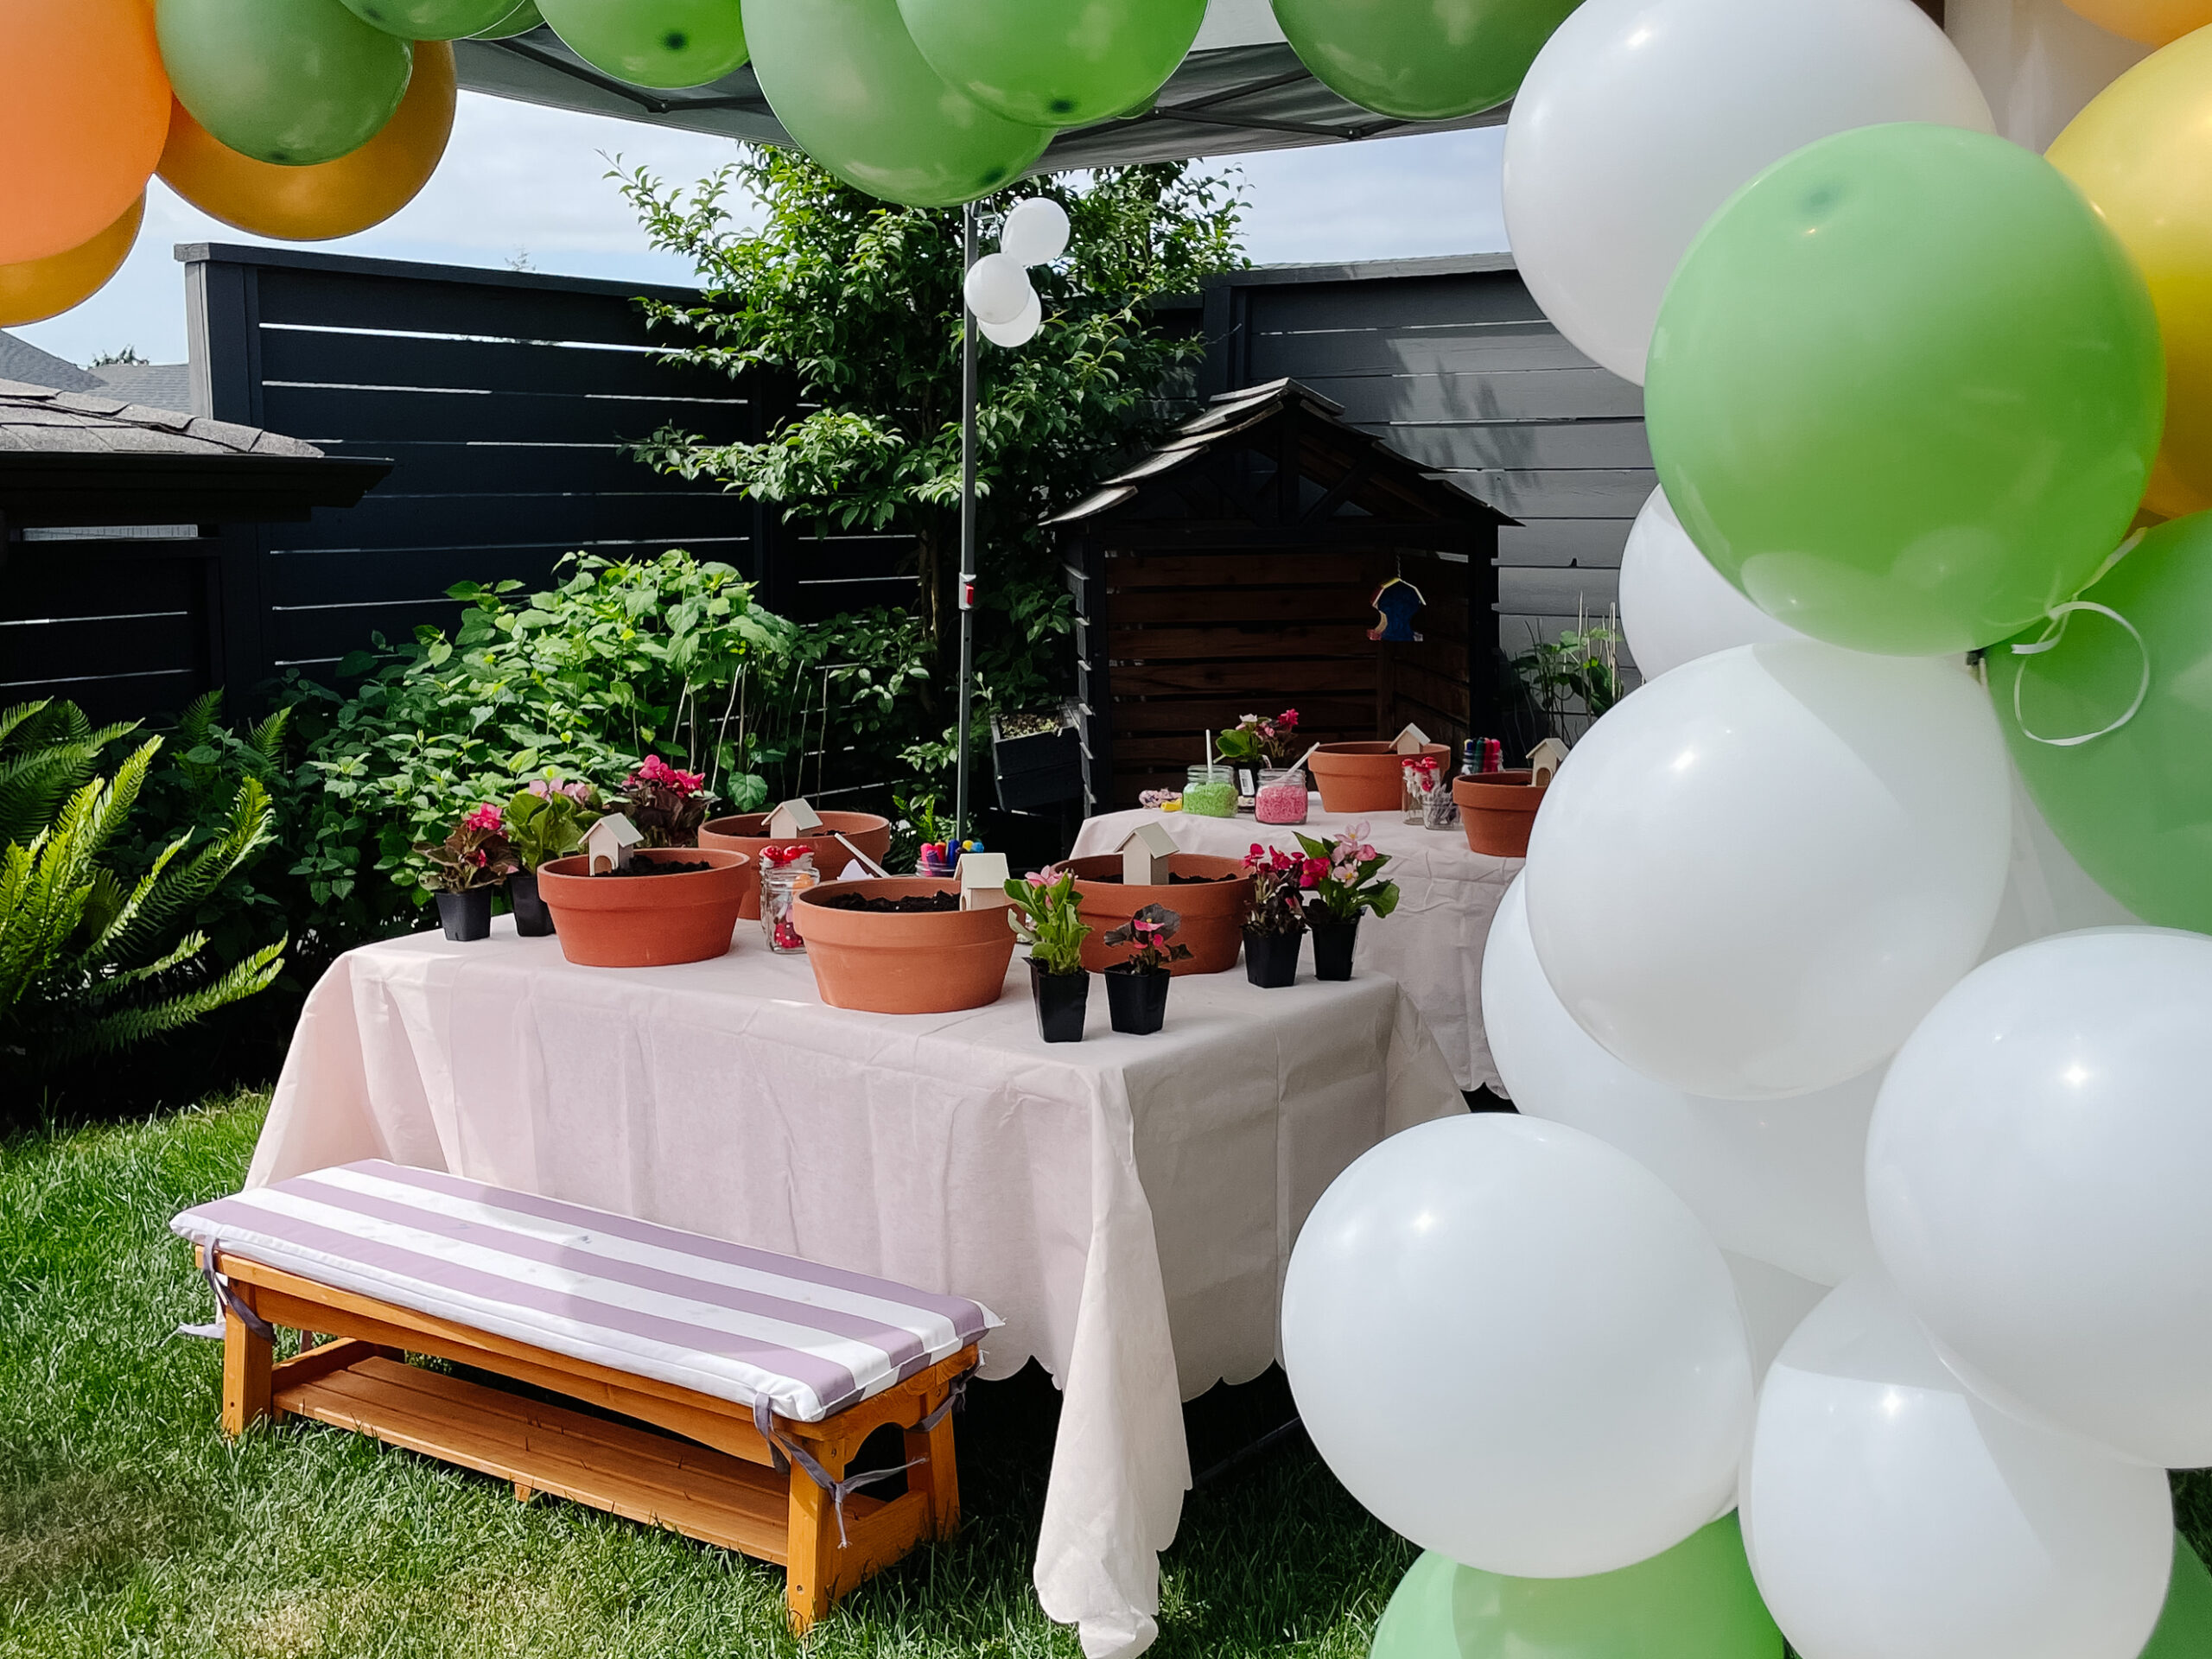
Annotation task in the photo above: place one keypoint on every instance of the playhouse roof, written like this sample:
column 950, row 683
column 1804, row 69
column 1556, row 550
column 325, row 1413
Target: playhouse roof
column 80, row 458
column 1280, row 460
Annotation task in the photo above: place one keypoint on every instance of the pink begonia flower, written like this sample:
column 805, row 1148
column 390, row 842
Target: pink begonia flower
column 540, row 788
column 1312, row 876
column 485, row 818
column 1037, row 878
column 1287, row 718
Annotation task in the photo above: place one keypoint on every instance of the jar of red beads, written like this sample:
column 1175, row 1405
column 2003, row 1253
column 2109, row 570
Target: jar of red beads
column 785, row 872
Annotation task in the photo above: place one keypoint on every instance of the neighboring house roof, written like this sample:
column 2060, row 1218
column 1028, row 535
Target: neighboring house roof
column 21, row 360
column 158, row 385
column 82, row 458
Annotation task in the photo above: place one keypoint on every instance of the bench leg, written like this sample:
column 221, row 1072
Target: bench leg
column 246, row 1361
column 939, row 1478
column 811, row 1550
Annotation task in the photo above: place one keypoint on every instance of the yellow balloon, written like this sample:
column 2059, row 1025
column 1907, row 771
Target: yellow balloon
column 2142, row 153
column 2154, row 23
column 39, row 288
column 312, row 204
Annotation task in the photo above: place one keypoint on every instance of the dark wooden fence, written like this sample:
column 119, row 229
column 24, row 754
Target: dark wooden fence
column 1453, row 363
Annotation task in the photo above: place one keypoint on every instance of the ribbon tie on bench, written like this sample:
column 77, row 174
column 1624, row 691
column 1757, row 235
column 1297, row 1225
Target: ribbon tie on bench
column 226, row 1300
column 764, row 1419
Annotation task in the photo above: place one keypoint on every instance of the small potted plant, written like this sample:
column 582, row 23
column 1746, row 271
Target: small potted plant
column 667, row 806
column 1344, row 877
column 1274, row 920
column 546, row 820
column 464, row 868
column 1037, row 758
column 1136, row 988
column 1047, row 917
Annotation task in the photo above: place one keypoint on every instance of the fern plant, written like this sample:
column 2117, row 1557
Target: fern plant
column 89, row 962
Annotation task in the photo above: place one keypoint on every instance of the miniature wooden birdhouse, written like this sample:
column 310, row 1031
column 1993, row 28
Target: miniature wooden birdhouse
column 1412, row 740
column 608, row 844
column 794, row 821
column 1145, row 852
column 983, row 877
column 1544, row 760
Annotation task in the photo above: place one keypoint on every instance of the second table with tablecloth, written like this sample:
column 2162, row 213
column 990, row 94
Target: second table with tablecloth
column 1127, row 1205
column 1432, row 943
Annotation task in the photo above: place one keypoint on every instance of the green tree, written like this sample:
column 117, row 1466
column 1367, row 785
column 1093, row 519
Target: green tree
column 856, row 304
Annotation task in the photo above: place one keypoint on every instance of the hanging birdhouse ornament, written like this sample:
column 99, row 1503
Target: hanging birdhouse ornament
column 1396, row 602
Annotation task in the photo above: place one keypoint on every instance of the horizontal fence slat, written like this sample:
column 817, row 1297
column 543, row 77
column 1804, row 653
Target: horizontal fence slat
column 1594, row 543
column 1285, row 684
column 493, row 465
column 1156, row 644
column 1407, row 302
column 396, row 303
column 1194, row 605
column 1217, row 713
column 1536, row 394
column 370, row 417
column 1548, row 592
column 1520, row 445
column 388, row 520
column 66, row 648
column 327, row 357
column 1595, row 492
column 1520, row 346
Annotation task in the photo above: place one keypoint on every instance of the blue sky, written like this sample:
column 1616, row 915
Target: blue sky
column 521, row 182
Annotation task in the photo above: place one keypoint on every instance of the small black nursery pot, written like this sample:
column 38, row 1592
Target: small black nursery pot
column 1271, row 959
column 1062, row 1001
column 1333, row 944
column 532, row 919
column 467, row 916
column 1137, row 998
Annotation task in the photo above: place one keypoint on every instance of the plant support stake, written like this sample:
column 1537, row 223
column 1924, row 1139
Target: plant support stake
column 967, row 528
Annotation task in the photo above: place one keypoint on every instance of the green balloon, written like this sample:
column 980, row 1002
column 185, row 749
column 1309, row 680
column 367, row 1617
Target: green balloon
column 2133, row 806
column 665, row 44
column 1048, row 66
column 1420, row 60
column 1905, row 390
column 847, row 83
column 1695, row 1601
column 2184, row 1629
column 524, row 18
column 295, row 82
column 430, row 20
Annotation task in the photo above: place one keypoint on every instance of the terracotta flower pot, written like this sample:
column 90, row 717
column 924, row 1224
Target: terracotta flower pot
column 646, row 921
column 1497, row 810
column 1213, row 911
column 1364, row 776
column 937, row 962
column 747, row 833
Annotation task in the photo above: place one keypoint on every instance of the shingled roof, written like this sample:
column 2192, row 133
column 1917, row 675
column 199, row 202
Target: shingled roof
column 80, row 458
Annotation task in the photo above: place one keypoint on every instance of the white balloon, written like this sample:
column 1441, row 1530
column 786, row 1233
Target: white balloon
column 2037, row 1177
column 997, row 288
column 1021, row 330
column 1640, row 117
column 1756, row 874
column 1674, row 606
column 1889, row 1515
column 1036, row 232
column 1782, row 1180
column 2047, row 892
column 1775, row 1304
column 1517, row 1348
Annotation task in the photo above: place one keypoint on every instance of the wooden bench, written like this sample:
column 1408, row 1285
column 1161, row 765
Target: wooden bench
column 743, row 1474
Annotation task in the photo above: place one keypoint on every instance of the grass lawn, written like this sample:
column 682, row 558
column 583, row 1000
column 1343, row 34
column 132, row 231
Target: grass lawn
column 128, row 1525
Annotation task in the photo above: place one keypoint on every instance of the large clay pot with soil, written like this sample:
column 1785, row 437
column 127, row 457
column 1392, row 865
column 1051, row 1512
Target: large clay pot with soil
column 1497, row 810
column 881, row 961
column 1213, row 909
column 1356, row 777
column 747, row 833
column 646, row 921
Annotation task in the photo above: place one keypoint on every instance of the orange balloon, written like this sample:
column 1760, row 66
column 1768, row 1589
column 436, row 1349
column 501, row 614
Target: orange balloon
column 312, row 204
column 2154, row 23
column 38, row 289
column 83, row 107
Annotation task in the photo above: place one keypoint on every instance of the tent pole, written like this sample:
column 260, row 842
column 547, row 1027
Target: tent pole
column 966, row 532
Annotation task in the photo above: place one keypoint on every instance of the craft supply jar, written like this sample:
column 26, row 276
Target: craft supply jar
column 1424, row 780
column 1210, row 792
column 785, row 872
column 1281, row 798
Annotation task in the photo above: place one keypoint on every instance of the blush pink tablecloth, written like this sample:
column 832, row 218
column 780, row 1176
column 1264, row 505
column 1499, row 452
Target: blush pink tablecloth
column 1126, row 1205
column 1432, row 943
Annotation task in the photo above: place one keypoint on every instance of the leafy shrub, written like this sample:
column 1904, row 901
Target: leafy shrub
column 91, row 961
column 618, row 662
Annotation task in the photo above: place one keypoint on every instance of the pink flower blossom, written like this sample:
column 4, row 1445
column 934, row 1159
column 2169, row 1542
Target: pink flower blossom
column 1315, row 872
column 654, row 770
column 1287, row 720
column 485, row 818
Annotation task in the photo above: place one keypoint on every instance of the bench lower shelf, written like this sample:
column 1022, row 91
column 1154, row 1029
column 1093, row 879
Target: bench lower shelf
column 640, row 1475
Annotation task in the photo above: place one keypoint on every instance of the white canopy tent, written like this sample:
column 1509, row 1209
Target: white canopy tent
column 1241, row 89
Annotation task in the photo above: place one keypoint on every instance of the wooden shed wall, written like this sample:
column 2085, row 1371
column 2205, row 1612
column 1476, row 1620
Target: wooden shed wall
column 1452, row 362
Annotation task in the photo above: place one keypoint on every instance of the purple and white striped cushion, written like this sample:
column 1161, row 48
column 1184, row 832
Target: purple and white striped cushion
column 740, row 1324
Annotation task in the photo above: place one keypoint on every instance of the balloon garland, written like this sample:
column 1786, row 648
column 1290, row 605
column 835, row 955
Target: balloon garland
column 1797, row 936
